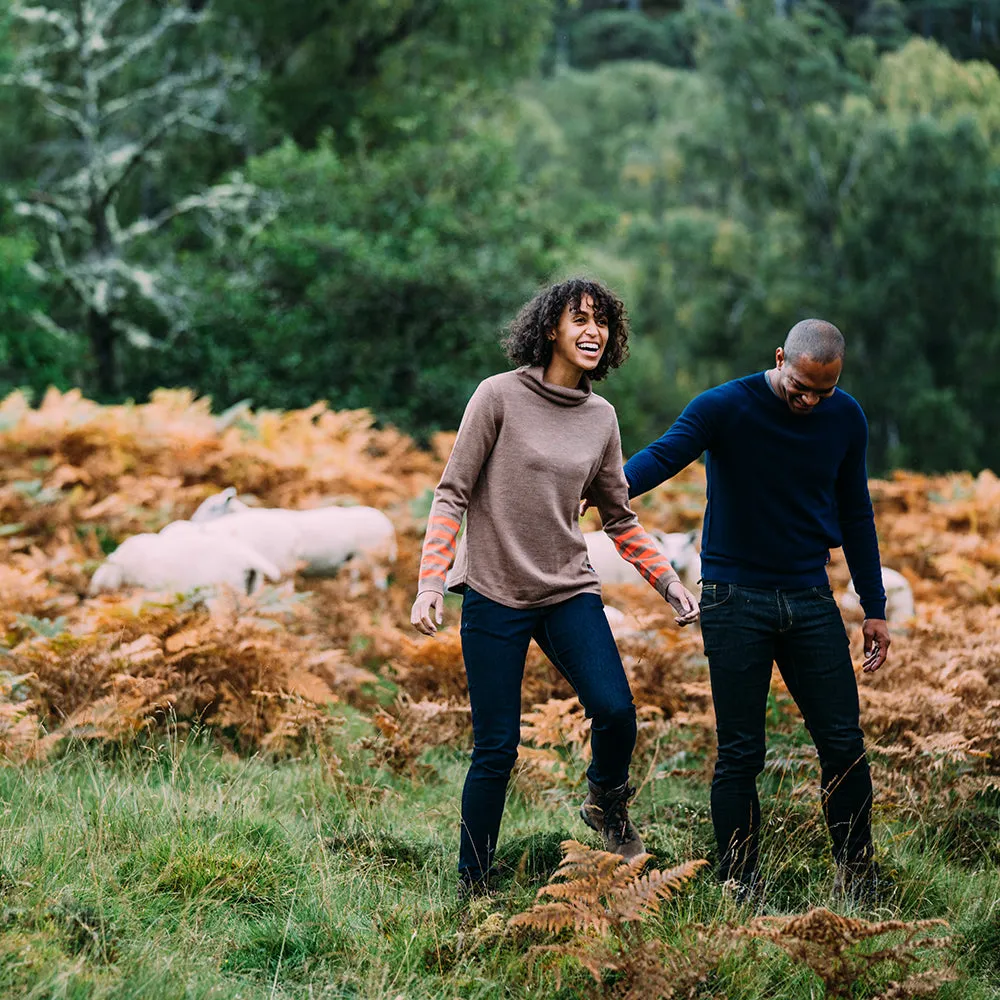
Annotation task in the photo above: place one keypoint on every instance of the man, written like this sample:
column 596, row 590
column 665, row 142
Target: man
column 787, row 480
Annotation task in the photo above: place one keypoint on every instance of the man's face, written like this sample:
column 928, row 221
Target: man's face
column 804, row 383
column 581, row 336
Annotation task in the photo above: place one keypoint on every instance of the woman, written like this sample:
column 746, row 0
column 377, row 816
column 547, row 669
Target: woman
column 532, row 442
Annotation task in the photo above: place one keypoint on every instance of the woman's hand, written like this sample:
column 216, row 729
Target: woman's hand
column 683, row 602
column 420, row 615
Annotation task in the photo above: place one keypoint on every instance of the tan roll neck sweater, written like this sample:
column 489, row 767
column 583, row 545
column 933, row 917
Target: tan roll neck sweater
column 525, row 454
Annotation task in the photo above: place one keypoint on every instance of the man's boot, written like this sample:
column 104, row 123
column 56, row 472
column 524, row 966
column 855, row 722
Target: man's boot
column 606, row 810
column 861, row 884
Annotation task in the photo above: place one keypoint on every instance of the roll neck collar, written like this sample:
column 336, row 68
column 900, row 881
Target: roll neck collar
column 531, row 376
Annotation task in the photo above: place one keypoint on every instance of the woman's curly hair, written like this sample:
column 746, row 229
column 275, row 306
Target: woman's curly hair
column 527, row 343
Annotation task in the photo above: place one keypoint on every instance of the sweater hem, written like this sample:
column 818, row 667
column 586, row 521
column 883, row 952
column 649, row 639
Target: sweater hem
column 745, row 577
column 458, row 587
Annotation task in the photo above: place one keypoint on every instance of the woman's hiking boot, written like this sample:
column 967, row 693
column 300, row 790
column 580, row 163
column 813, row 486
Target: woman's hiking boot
column 606, row 810
column 474, row 888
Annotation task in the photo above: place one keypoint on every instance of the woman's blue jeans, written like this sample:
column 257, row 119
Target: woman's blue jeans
column 746, row 630
column 575, row 636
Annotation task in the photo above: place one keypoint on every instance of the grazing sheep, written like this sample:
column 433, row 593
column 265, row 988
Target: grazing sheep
column 899, row 608
column 616, row 619
column 317, row 541
column 219, row 504
column 681, row 550
column 678, row 547
column 623, row 626
column 181, row 558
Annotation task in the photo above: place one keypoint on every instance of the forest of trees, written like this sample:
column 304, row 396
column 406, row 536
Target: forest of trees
column 344, row 200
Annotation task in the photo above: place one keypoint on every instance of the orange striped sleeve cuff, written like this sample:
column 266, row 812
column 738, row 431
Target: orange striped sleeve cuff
column 640, row 550
column 438, row 552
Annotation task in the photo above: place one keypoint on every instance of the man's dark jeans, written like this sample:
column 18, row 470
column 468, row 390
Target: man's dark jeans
column 575, row 636
column 745, row 631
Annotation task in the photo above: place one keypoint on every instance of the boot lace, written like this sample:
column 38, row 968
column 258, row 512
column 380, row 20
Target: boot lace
column 616, row 813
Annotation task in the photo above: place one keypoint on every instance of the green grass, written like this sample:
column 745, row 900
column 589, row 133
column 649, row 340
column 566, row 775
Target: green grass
column 177, row 871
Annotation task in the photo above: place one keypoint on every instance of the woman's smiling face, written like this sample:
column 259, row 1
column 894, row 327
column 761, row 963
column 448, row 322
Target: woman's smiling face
column 581, row 336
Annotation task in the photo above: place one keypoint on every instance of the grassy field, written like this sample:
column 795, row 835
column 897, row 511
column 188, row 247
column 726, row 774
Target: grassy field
column 320, row 860
column 179, row 871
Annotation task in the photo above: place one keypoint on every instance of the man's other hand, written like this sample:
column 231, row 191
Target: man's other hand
column 877, row 642
column 427, row 601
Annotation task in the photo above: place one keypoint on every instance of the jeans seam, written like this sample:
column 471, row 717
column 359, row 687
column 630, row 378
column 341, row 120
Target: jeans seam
column 788, row 609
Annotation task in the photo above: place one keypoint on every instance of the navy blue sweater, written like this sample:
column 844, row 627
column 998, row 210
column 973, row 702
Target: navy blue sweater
column 783, row 488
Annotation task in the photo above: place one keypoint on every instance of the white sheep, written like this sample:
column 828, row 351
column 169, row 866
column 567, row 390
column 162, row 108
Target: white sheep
column 616, row 619
column 180, row 558
column 218, row 504
column 899, row 607
column 623, row 626
column 681, row 550
column 319, row 541
column 678, row 547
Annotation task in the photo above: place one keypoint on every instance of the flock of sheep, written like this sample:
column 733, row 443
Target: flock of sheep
column 226, row 543
column 229, row 544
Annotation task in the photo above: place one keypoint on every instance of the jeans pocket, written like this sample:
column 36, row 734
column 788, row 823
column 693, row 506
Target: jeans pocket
column 825, row 594
column 714, row 595
column 472, row 602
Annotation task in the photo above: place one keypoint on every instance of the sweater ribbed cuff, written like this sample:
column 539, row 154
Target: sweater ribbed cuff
column 433, row 584
column 876, row 611
column 665, row 581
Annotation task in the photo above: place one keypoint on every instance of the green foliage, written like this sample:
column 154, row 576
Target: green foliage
column 31, row 356
column 797, row 174
column 384, row 282
column 609, row 35
column 882, row 221
column 434, row 161
column 381, row 70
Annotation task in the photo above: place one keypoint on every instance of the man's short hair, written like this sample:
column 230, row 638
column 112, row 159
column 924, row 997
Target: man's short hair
column 815, row 339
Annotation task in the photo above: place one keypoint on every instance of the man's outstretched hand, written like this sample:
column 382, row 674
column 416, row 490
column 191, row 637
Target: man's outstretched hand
column 427, row 602
column 877, row 641
column 683, row 602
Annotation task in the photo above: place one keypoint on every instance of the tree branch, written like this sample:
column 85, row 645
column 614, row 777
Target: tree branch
column 172, row 18
column 49, row 325
column 45, row 15
column 220, row 198
column 160, row 91
column 183, row 114
column 73, row 117
column 104, row 19
column 854, row 168
column 51, row 218
column 32, row 79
